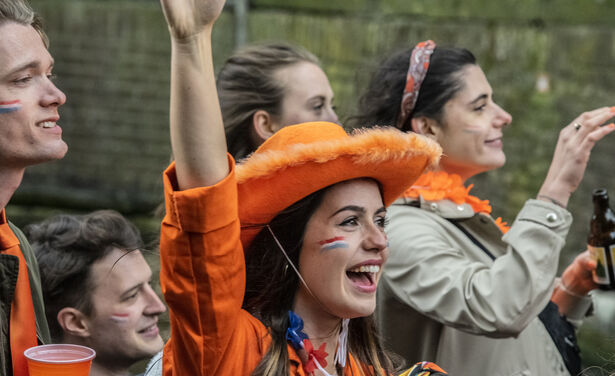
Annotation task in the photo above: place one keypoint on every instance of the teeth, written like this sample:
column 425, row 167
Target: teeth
column 48, row 124
column 366, row 269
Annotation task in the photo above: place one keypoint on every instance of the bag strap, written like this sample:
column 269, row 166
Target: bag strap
column 472, row 238
column 560, row 330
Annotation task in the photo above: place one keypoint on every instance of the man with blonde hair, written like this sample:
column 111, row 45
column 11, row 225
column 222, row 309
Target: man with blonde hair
column 29, row 135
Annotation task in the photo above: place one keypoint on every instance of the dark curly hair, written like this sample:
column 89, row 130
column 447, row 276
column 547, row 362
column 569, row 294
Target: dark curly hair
column 66, row 247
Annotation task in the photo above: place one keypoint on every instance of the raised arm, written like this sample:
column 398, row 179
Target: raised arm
column 197, row 131
column 570, row 158
column 571, row 155
column 202, row 269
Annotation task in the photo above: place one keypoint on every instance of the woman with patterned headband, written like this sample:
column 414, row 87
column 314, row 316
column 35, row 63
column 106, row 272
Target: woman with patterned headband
column 270, row 267
column 477, row 295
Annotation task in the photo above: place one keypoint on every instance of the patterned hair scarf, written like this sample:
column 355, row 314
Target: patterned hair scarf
column 417, row 70
column 425, row 369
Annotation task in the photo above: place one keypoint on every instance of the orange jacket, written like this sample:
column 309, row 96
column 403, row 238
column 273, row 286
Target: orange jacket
column 203, row 281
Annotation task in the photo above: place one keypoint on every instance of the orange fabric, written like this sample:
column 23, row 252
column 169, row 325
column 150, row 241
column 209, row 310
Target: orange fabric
column 440, row 185
column 301, row 159
column 22, row 321
column 203, row 281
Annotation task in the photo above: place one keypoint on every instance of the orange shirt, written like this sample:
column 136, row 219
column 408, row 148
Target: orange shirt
column 203, row 281
column 22, row 320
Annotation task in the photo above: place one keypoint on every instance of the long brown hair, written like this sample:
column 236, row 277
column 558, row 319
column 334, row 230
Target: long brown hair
column 271, row 285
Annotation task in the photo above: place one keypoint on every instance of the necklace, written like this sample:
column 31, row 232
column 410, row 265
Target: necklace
column 440, row 185
column 312, row 358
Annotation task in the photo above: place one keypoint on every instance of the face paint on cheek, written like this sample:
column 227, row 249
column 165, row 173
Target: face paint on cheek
column 12, row 106
column 120, row 318
column 333, row 243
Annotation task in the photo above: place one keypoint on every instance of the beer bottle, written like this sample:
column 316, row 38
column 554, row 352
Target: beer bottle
column 601, row 240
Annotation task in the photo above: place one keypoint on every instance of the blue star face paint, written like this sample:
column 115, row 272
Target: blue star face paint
column 333, row 243
column 12, row 106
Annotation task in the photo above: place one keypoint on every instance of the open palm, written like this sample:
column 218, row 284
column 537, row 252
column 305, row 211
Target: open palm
column 189, row 17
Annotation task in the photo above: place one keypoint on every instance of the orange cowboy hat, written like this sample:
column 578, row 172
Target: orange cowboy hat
column 301, row 159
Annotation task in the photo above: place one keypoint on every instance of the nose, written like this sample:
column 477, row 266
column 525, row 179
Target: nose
column 52, row 96
column 375, row 239
column 332, row 116
column 155, row 306
column 503, row 118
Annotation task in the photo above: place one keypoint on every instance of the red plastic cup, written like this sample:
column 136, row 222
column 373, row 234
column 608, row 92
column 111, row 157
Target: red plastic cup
column 59, row 360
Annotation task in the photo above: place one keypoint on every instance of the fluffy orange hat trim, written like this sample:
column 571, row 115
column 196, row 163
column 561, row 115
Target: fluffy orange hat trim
column 301, row 159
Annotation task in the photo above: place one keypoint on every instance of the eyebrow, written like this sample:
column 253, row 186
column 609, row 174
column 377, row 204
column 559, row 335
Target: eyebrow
column 351, row 208
column 381, row 210
column 30, row 65
column 135, row 287
column 479, row 98
column 317, row 97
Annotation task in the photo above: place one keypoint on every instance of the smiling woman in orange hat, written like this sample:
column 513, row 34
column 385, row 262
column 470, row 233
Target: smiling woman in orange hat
column 271, row 267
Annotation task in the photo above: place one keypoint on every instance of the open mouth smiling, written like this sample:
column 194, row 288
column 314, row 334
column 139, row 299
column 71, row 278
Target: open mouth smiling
column 363, row 277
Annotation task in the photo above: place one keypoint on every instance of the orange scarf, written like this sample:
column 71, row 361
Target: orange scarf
column 435, row 186
column 22, row 321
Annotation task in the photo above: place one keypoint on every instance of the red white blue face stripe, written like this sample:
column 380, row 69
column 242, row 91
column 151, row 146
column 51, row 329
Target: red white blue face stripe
column 12, row 106
column 333, row 243
column 120, row 317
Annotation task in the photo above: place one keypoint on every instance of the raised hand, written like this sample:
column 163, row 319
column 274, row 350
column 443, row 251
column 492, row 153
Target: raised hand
column 197, row 132
column 187, row 18
column 572, row 152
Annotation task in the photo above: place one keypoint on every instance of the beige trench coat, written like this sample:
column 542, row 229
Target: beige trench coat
column 441, row 298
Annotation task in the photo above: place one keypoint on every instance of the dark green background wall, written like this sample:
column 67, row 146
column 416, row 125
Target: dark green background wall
column 112, row 59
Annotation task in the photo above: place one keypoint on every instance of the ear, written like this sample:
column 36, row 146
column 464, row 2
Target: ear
column 73, row 322
column 263, row 125
column 425, row 126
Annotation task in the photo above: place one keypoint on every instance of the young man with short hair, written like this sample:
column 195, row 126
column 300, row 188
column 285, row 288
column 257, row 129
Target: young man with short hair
column 29, row 135
column 96, row 285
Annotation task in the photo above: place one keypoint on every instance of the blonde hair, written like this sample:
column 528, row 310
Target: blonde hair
column 20, row 12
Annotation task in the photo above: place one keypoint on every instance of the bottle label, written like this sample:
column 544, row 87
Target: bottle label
column 601, row 273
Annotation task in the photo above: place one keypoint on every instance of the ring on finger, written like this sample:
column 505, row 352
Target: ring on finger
column 577, row 126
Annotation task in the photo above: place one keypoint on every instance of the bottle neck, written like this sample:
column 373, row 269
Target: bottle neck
column 601, row 203
column 604, row 218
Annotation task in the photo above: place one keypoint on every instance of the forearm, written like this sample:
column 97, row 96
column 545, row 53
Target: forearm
column 572, row 153
column 197, row 132
column 571, row 291
column 202, row 272
column 570, row 304
column 443, row 274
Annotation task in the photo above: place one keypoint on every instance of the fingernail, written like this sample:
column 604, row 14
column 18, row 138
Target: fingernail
column 611, row 125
